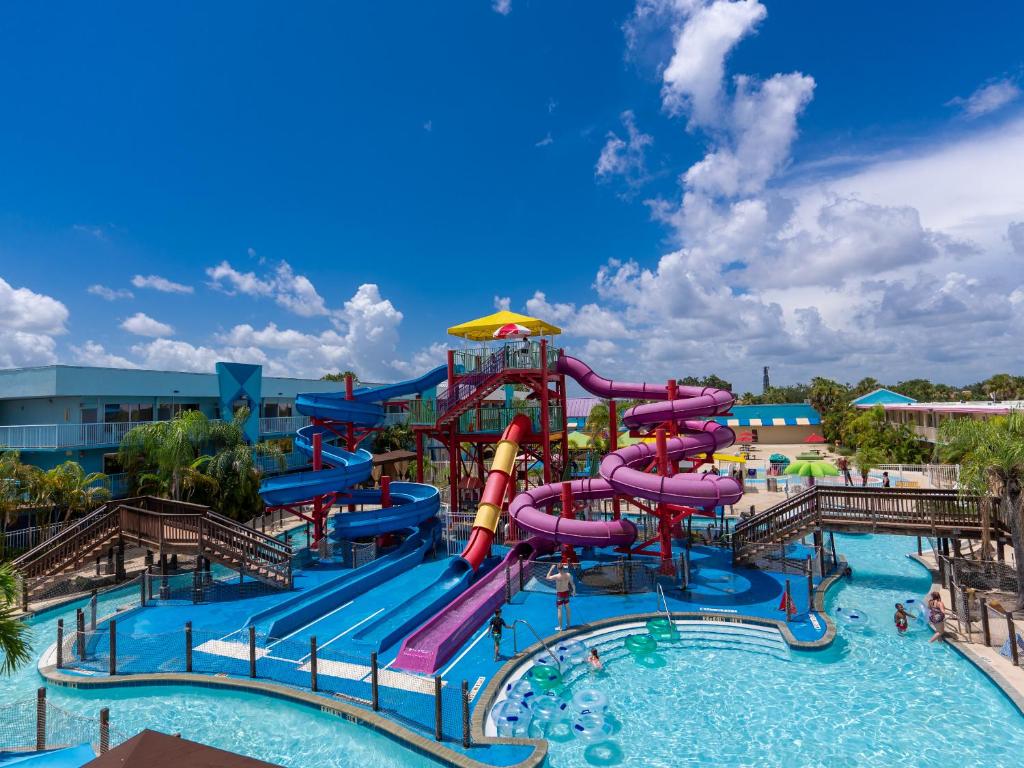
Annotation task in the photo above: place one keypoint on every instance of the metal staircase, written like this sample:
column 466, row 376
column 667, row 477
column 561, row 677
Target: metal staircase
column 899, row 511
column 161, row 525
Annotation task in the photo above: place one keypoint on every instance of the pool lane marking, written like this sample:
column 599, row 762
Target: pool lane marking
column 304, row 626
column 458, row 658
column 342, row 634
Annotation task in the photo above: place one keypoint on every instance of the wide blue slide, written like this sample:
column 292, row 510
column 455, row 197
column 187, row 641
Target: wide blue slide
column 413, row 502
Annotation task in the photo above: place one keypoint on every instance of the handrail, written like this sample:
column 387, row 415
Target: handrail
column 69, row 532
column 515, row 643
column 664, row 602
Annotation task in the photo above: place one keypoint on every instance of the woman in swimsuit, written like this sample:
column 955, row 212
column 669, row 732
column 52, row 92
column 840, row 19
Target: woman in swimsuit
column 937, row 616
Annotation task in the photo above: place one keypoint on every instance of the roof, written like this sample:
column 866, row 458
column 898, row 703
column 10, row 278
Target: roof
column 152, row 749
column 483, row 328
column 881, row 396
column 783, row 415
column 579, row 407
column 983, row 407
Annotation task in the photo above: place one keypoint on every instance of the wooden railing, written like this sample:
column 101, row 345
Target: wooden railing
column 165, row 526
column 909, row 511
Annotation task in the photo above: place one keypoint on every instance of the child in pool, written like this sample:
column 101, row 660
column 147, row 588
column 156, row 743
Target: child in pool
column 594, row 660
column 901, row 618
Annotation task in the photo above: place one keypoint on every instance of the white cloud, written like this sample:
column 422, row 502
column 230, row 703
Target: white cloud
column 693, row 78
column 89, row 229
column 423, row 360
column 1015, row 234
column 625, row 157
column 92, row 353
column 587, row 320
column 295, row 293
column 504, row 7
column 110, row 294
column 987, row 98
column 162, row 284
column 502, row 303
column 28, row 323
column 547, row 141
column 142, row 324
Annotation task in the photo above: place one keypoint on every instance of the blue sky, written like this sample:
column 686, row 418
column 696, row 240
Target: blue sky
column 690, row 186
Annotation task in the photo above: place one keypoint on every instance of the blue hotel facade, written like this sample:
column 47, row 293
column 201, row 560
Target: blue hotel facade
column 56, row 413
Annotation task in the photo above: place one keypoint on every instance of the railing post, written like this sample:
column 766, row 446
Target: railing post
column 465, row 715
column 312, row 664
column 965, row 604
column 986, row 633
column 188, row 646
column 113, row 647
column 810, row 584
column 522, row 578
column 508, row 585
column 374, row 682
column 1011, row 632
column 80, row 633
column 104, row 730
column 60, row 643
column 438, row 710
column 142, row 589
column 41, row 719
column 789, row 600
column 252, row 651
column 24, row 594
column 92, row 611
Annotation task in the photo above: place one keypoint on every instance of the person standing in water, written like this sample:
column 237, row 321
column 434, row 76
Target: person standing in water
column 565, row 587
column 901, row 618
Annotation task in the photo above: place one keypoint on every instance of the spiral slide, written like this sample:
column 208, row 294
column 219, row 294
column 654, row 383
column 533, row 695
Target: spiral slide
column 622, row 470
column 413, row 502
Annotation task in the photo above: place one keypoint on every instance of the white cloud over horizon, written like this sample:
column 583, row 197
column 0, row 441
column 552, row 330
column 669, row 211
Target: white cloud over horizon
column 162, row 284
column 142, row 324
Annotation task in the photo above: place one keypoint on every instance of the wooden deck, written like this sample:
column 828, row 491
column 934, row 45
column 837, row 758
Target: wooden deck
column 160, row 525
column 936, row 513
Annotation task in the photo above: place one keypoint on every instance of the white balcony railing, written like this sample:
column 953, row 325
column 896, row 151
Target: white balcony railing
column 49, row 437
column 282, row 425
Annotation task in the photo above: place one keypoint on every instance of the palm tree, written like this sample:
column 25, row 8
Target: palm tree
column 169, row 447
column 598, row 420
column 16, row 479
column 69, row 490
column 865, row 458
column 14, row 633
column 233, row 470
column 991, row 455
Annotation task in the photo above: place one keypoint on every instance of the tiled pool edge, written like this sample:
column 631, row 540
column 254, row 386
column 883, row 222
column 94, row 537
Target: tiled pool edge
column 1009, row 689
column 369, row 719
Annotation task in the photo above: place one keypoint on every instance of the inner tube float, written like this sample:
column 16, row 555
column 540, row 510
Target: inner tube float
column 640, row 645
column 604, row 753
column 571, row 652
column 590, row 700
column 547, row 708
column 520, row 690
column 852, row 617
column 591, row 726
column 662, row 629
column 544, row 677
column 511, row 718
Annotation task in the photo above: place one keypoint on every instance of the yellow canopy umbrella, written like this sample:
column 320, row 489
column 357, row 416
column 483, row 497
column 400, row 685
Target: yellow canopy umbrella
column 483, row 328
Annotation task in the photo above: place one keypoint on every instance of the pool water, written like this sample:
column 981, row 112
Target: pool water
column 872, row 699
column 268, row 729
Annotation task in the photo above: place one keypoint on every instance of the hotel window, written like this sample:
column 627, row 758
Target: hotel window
column 166, row 411
column 119, row 413
column 273, row 410
column 89, row 414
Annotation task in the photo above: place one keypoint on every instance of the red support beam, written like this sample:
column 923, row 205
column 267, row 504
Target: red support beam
column 454, row 465
column 664, row 516
column 318, row 445
column 545, row 427
column 385, row 491
column 613, row 445
column 568, row 513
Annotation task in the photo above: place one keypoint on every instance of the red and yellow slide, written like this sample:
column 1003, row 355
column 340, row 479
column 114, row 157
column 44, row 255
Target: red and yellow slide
column 489, row 512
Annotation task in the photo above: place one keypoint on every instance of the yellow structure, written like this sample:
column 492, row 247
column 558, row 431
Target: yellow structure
column 483, row 328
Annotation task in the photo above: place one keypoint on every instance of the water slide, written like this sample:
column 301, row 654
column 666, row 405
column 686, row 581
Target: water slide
column 622, row 471
column 436, row 641
column 413, row 502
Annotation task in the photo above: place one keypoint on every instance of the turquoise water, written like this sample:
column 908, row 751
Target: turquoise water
column 268, row 729
column 873, row 699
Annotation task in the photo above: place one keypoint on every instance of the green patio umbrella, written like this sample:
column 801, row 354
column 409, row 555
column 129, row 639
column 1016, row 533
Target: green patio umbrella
column 811, row 468
column 579, row 440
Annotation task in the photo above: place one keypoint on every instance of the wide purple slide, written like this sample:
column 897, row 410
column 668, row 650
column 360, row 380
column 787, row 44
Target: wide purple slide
column 426, row 649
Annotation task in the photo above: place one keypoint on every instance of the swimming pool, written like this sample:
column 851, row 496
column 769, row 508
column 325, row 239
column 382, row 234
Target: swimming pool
column 873, row 698
column 268, row 729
